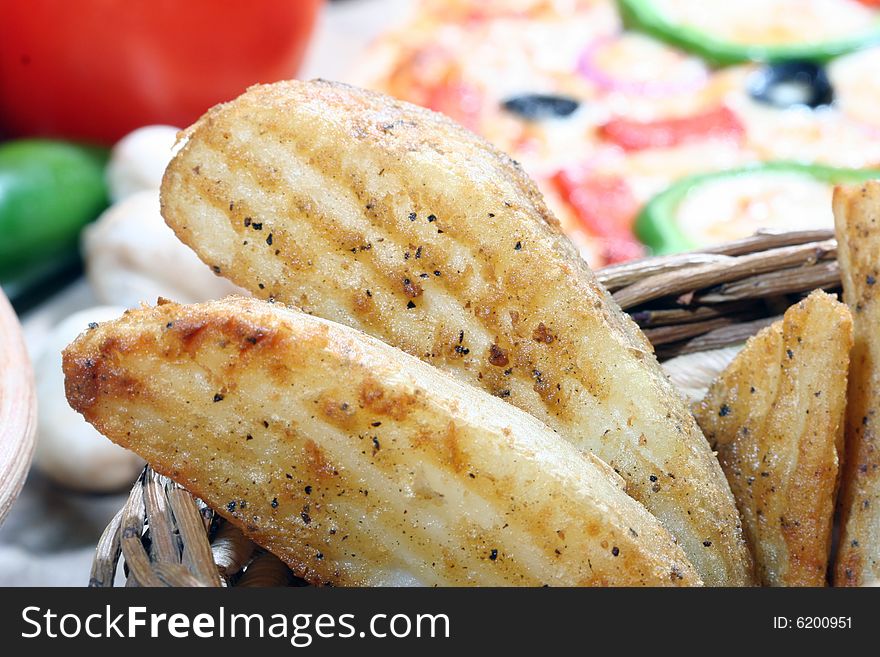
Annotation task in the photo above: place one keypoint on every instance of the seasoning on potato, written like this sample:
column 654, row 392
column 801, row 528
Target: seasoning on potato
column 355, row 463
column 857, row 222
column 397, row 221
column 69, row 450
column 775, row 415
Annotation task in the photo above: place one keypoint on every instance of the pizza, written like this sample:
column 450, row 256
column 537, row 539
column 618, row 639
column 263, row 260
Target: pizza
column 653, row 126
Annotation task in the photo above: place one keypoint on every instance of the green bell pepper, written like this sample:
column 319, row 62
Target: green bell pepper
column 48, row 191
column 657, row 225
column 645, row 16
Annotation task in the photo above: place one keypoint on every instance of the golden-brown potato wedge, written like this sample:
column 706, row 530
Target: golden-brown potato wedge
column 857, row 224
column 396, row 221
column 354, row 462
column 775, row 416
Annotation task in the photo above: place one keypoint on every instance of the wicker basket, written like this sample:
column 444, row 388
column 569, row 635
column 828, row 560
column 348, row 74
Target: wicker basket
column 169, row 538
column 685, row 303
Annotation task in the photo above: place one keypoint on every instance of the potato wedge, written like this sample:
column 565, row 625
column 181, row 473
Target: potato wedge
column 396, row 221
column 857, row 224
column 355, row 463
column 775, row 415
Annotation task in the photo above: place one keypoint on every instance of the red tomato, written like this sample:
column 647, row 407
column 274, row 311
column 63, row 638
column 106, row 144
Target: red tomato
column 96, row 69
column 606, row 207
column 637, row 135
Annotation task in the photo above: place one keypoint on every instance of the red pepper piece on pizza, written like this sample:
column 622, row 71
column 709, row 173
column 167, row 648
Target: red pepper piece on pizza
column 720, row 123
column 606, row 207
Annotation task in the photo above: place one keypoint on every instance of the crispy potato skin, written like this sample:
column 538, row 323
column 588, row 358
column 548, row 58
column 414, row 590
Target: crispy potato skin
column 354, row 462
column 857, row 224
column 396, row 221
column 775, row 416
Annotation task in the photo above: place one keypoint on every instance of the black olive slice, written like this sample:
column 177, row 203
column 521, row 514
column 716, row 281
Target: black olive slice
column 792, row 83
column 541, row 106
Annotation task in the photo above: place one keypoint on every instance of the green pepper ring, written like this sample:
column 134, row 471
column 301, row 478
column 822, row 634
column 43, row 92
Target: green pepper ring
column 656, row 228
column 642, row 15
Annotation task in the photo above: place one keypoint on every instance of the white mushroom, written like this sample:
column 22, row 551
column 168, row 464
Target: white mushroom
column 132, row 257
column 69, row 450
column 138, row 160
